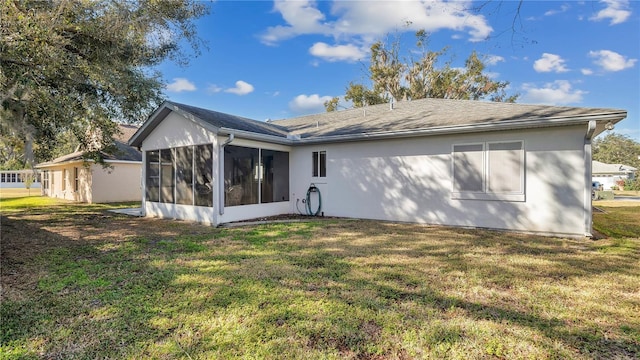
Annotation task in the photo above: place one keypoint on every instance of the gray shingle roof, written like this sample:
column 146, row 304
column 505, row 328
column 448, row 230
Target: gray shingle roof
column 222, row 120
column 123, row 151
column 407, row 118
column 424, row 114
column 604, row 168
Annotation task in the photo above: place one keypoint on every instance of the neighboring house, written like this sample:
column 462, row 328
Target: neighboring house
column 451, row 162
column 71, row 177
column 609, row 174
column 18, row 179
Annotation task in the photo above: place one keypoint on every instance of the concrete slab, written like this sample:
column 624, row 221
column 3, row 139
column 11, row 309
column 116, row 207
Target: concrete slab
column 129, row 211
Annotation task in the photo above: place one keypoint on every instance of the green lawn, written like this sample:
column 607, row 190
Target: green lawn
column 80, row 282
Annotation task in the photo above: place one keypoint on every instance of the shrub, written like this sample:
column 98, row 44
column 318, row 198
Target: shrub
column 632, row 184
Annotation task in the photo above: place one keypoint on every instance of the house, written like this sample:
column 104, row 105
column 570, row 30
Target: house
column 608, row 174
column 434, row 161
column 71, row 177
column 18, row 179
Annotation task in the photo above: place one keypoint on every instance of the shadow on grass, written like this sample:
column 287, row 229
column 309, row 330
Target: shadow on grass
column 85, row 283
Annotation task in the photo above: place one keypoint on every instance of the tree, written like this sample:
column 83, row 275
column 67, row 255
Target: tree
column 616, row 148
column 75, row 66
column 420, row 78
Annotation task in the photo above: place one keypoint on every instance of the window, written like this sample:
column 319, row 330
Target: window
column 45, row 180
column 203, row 175
column 76, row 180
column 489, row 171
column 180, row 175
column 468, row 168
column 255, row 176
column 152, row 172
column 2, row 177
column 274, row 176
column 319, row 163
column 241, row 175
column 184, row 175
column 167, row 181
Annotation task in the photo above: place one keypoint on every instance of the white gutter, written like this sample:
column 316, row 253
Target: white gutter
column 588, row 209
column 221, row 173
column 257, row 136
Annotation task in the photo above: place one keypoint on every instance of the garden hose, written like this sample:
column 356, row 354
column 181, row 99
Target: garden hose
column 313, row 189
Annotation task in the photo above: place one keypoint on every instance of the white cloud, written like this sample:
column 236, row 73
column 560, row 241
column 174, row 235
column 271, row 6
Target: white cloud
column 213, row 88
column 363, row 21
column 563, row 8
column 616, row 10
column 493, row 59
column 611, row 60
column 308, row 104
column 555, row 93
column 180, row 85
column 242, row 88
column 550, row 63
column 586, row 71
column 349, row 52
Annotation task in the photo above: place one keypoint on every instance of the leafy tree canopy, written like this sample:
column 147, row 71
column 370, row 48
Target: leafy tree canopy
column 419, row 78
column 73, row 67
column 614, row 148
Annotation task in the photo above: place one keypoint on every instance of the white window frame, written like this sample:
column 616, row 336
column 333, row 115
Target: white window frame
column 485, row 193
column 64, row 179
column 76, row 179
column 318, row 155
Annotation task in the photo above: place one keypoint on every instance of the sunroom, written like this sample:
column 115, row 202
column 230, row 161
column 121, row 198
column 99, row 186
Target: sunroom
column 194, row 169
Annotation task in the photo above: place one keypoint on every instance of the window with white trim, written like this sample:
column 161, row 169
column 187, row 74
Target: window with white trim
column 319, row 161
column 76, row 179
column 489, row 171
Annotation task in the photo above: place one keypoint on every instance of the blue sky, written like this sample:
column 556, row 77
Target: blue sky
column 273, row 60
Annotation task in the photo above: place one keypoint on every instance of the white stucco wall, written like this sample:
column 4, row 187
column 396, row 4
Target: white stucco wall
column 406, row 179
column 411, row 180
column 118, row 183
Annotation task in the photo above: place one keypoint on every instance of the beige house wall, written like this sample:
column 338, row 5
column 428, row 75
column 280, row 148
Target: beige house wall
column 95, row 184
column 121, row 182
column 62, row 182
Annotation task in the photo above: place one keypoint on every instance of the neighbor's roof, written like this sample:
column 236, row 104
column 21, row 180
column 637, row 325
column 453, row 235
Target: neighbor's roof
column 604, row 168
column 123, row 152
column 405, row 118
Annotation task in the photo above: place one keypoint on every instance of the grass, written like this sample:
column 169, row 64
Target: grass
column 79, row 282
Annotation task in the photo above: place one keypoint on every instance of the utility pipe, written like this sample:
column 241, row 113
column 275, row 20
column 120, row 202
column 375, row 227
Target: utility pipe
column 588, row 212
column 221, row 173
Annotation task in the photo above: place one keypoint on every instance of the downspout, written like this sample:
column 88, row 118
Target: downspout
column 221, row 174
column 588, row 210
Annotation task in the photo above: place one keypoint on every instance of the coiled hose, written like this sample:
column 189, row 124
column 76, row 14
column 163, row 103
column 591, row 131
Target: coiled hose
column 313, row 189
